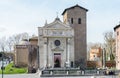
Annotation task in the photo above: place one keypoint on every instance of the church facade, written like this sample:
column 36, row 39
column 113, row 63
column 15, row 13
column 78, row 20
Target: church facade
column 56, row 45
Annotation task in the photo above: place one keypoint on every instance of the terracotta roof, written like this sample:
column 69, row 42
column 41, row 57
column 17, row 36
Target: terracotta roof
column 74, row 7
column 116, row 27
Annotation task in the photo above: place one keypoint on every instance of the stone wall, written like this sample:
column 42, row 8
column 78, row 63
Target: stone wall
column 79, row 31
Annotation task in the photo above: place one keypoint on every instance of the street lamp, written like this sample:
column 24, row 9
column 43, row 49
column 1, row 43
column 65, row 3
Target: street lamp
column 2, row 68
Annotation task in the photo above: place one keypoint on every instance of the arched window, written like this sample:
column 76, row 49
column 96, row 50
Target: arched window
column 79, row 20
column 71, row 20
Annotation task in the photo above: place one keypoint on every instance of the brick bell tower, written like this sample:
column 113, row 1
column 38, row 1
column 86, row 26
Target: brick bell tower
column 76, row 16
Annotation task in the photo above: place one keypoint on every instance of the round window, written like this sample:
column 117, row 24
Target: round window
column 57, row 42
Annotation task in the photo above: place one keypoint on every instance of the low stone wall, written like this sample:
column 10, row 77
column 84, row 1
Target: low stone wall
column 69, row 72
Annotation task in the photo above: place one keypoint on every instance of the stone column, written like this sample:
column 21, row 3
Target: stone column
column 45, row 52
column 68, row 52
column 47, row 56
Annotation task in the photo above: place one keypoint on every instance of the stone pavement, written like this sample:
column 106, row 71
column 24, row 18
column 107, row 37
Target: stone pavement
column 37, row 76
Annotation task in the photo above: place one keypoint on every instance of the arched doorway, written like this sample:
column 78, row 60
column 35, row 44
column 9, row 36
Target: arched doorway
column 57, row 60
column 57, row 63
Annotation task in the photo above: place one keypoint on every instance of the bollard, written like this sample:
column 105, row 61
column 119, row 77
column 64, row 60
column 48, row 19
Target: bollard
column 51, row 72
column 83, row 73
column 98, row 72
column 67, row 72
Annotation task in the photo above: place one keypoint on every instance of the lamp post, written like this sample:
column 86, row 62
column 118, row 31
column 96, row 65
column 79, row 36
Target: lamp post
column 1, row 56
column 2, row 66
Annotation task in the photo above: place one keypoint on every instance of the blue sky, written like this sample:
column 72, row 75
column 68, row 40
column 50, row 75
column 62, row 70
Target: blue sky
column 17, row 16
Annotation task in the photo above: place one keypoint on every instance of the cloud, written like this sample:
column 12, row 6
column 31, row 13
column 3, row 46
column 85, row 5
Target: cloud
column 18, row 16
column 2, row 29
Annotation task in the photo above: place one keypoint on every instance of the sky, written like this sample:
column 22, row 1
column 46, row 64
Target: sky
column 18, row 16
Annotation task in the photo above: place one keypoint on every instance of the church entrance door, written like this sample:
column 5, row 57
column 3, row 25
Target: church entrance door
column 57, row 60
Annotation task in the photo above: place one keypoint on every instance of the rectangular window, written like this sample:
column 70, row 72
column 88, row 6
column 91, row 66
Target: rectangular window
column 79, row 20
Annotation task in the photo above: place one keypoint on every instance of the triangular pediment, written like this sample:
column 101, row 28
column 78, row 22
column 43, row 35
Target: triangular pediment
column 57, row 24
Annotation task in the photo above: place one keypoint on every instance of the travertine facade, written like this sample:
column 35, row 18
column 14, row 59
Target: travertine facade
column 56, row 44
column 117, row 35
column 21, row 55
column 76, row 16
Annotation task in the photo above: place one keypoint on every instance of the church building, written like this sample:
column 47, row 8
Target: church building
column 63, row 44
column 58, row 45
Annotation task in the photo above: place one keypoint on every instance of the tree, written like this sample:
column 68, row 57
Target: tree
column 10, row 44
column 109, row 45
column 3, row 44
column 15, row 39
column 80, row 63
